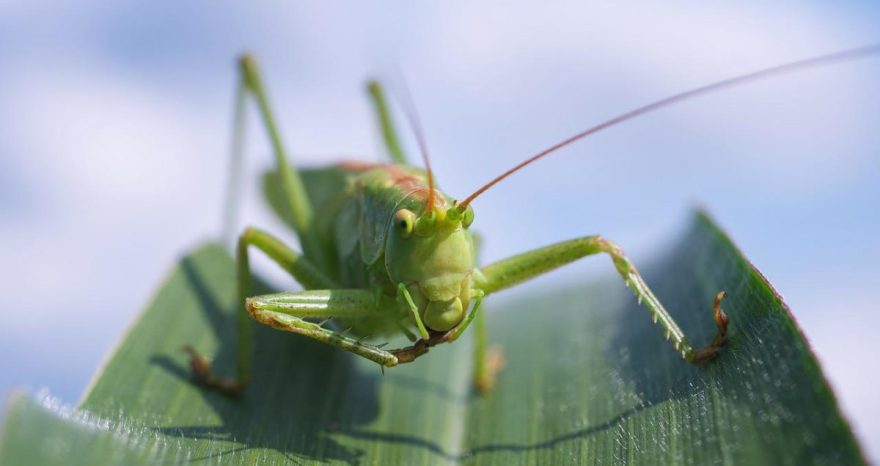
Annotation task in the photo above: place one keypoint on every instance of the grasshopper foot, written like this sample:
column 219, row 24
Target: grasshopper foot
column 709, row 351
column 201, row 367
column 485, row 379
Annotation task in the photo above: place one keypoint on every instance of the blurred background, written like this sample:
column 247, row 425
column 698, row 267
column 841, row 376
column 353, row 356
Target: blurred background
column 115, row 120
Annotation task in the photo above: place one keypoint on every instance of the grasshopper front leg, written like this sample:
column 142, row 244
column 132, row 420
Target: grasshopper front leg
column 517, row 269
column 488, row 360
column 287, row 311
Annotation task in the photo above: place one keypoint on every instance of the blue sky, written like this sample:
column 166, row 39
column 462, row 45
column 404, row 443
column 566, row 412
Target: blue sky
column 116, row 119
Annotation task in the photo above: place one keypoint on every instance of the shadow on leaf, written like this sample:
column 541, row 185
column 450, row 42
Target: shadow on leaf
column 301, row 390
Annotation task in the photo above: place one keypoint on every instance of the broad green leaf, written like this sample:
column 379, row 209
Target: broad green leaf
column 588, row 380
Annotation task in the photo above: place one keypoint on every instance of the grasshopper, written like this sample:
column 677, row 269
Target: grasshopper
column 384, row 252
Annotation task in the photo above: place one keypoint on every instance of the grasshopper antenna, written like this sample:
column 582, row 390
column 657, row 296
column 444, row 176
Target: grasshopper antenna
column 412, row 116
column 822, row 60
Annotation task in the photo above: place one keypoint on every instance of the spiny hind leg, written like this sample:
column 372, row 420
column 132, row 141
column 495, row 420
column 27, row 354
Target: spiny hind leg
column 516, row 269
column 292, row 186
column 298, row 267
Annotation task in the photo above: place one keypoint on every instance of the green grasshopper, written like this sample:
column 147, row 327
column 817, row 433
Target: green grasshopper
column 385, row 252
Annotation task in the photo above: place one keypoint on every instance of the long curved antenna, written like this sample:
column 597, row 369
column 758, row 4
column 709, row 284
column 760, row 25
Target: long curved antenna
column 846, row 55
column 412, row 116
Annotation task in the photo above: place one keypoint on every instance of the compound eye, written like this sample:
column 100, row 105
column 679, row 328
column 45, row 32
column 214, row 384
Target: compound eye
column 467, row 217
column 404, row 220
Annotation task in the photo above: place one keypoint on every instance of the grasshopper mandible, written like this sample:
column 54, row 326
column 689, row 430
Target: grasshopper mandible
column 385, row 252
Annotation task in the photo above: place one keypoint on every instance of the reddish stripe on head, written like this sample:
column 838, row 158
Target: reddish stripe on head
column 412, row 184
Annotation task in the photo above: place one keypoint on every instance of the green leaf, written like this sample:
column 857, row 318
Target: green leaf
column 589, row 379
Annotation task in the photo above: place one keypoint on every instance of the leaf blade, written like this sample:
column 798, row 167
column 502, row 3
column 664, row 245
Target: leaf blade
column 589, row 379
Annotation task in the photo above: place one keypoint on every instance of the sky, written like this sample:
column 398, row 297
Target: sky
column 116, row 120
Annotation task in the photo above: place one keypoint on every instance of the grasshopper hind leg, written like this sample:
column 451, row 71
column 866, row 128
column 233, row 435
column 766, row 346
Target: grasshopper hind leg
column 383, row 115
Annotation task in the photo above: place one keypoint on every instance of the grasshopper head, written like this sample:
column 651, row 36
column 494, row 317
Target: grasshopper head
column 433, row 254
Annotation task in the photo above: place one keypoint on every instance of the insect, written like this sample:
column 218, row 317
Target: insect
column 385, row 252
